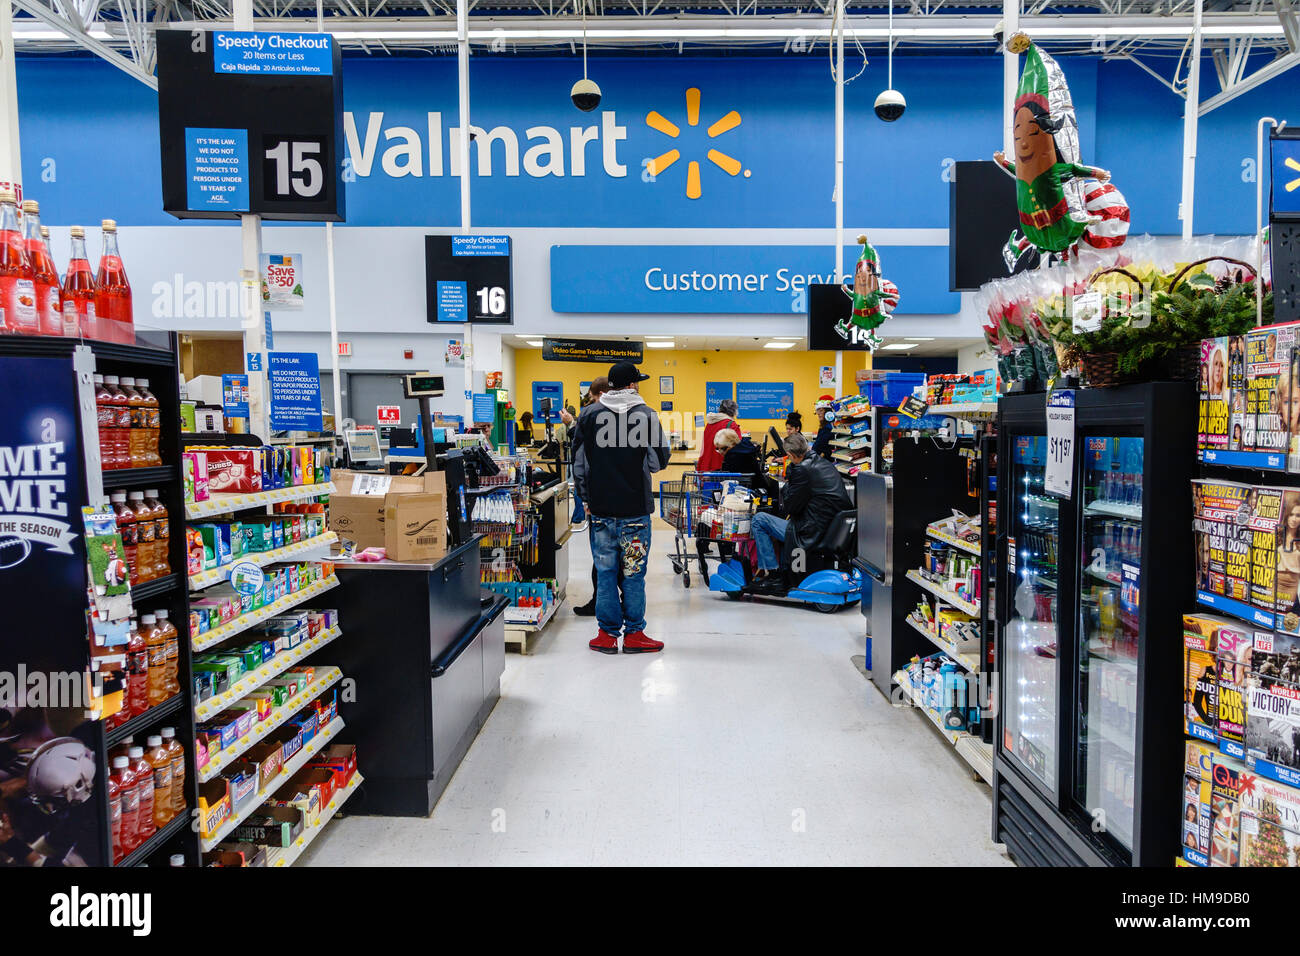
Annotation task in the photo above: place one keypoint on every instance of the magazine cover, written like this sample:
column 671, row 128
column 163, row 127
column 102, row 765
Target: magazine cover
column 1234, row 645
column 1241, row 427
column 1270, row 822
column 1222, row 531
column 1225, row 790
column 1264, row 520
column 1268, row 385
column 1273, row 699
column 1196, row 820
column 1200, row 681
column 1212, row 431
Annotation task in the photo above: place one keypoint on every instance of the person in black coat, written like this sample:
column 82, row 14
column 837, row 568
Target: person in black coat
column 740, row 456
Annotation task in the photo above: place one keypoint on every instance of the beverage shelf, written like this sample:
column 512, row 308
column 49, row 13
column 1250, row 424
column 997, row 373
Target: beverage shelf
column 253, row 618
column 944, row 594
column 970, row 411
column 213, row 576
column 138, row 477
column 220, row 504
column 145, row 850
column 1111, row 509
column 139, row 722
column 969, row 661
column 54, row 345
column 287, row 856
column 947, row 537
column 300, row 759
column 268, row 671
column 151, row 589
column 325, row 679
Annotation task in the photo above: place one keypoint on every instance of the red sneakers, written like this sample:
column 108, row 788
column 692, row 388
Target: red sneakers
column 638, row 643
column 605, row 642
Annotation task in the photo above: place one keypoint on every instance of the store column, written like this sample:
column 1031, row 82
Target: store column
column 255, row 320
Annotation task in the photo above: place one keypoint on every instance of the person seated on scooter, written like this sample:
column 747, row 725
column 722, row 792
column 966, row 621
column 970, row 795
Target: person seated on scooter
column 813, row 494
column 739, row 454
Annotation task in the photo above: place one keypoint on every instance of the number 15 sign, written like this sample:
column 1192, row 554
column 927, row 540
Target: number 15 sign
column 1059, row 479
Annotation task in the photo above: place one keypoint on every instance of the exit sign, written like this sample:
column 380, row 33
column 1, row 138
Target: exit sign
column 388, row 415
column 345, row 350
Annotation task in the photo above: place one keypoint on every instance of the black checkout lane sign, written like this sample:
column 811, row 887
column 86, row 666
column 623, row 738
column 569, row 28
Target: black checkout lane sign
column 468, row 279
column 250, row 122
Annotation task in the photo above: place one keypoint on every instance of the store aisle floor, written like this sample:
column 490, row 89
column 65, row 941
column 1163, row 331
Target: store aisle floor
column 751, row 740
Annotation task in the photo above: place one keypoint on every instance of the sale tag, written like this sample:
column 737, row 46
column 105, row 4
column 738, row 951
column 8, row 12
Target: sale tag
column 1059, row 479
column 388, row 414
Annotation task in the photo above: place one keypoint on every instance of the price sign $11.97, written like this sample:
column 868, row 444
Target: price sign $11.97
column 1059, row 477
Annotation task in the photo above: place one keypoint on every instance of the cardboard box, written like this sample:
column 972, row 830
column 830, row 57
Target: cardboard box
column 214, row 805
column 339, row 758
column 415, row 527
column 271, row 826
column 362, row 503
column 236, row 854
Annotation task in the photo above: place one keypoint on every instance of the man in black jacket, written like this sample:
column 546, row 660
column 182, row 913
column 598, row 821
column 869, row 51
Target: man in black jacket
column 621, row 443
column 813, row 494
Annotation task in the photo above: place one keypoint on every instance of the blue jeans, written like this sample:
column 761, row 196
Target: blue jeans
column 579, row 512
column 769, row 531
column 621, row 542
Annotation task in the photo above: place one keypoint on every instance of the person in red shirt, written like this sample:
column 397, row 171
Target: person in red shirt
column 724, row 418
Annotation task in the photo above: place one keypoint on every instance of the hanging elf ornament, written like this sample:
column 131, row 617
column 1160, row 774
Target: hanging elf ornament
column 874, row 298
column 1062, row 202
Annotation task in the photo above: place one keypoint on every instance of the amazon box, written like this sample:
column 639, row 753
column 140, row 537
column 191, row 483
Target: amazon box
column 363, row 505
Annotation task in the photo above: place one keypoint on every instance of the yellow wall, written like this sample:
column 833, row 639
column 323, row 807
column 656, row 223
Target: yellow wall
column 690, row 370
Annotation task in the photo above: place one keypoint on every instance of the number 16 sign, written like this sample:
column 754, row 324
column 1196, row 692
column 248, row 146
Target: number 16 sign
column 1059, row 479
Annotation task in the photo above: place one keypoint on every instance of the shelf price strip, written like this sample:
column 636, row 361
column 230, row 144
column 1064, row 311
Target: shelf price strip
column 218, row 504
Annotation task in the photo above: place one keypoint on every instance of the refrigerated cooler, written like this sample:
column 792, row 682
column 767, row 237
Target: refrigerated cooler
column 1087, row 734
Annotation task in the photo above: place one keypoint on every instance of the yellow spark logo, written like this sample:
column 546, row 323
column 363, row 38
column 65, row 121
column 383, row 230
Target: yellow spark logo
column 1294, row 184
column 727, row 164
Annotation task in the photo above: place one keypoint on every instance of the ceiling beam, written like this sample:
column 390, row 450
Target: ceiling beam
column 1262, row 75
column 82, row 39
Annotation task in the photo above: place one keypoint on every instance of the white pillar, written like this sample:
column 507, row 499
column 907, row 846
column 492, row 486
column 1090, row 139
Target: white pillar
column 1191, row 112
column 250, row 275
column 333, row 299
column 462, row 63
column 1010, row 76
column 839, row 141
column 11, row 168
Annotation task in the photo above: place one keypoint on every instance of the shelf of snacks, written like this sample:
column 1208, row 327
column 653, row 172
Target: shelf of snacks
column 969, row 411
column 290, row 767
column 852, row 442
column 219, row 504
column 969, row 661
column 947, row 537
column 325, row 678
column 204, row 579
column 852, row 457
column 213, row 637
column 269, row 671
column 287, row 856
column 943, row 593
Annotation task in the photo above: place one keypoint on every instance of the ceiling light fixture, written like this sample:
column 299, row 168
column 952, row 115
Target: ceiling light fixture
column 535, row 343
column 661, row 344
column 899, row 346
column 779, row 345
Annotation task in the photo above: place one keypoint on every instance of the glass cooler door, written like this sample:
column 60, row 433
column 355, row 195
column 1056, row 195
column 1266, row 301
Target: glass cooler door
column 1107, row 672
column 1030, row 639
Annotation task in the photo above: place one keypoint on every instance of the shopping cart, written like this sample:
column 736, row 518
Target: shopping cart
column 693, row 506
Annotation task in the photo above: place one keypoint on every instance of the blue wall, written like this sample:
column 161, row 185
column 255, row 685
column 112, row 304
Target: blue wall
column 99, row 127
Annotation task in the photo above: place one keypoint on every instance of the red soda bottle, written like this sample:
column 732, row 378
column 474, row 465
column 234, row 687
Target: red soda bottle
column 17, row 290
column 113, row 292
column 115, row 817
column 106, row 417
column 79, row 291
column 143, row 770
column 130, row 793
column 49, row 299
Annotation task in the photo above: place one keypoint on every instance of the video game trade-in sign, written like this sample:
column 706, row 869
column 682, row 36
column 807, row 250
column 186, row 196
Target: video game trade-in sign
column 250, row 122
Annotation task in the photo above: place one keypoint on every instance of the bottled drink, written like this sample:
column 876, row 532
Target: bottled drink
column 120, row 749
column 121, row 404
column 144, row 785
column 106, row 416
column 137, row 671
column 151, row 422
column 172, row 647
column 49, row 300
column 113, row 292
column 177, row 753
column 124, row 776
column 126, row 518
column 160, row 762
column 137, row 421
column 145, row 537
column 162, row 533
column 79, row 291
column 176, row 859
column 156, row 639
column 17, row 290
column 115, row 817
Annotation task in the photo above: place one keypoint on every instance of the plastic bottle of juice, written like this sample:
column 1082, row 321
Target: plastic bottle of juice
column 121, row 405
column 79, row 316
column 151, row 422
column 126, row 517
column 120, row 748
column 130, row 794
column 112, row 291
column 106, row 416
column 161, row 762
column 137, row 671
column 177, row 753
column 172, row 645
column 138, row 418
column 156, row 640
column 162, row 533
column 49, row 299
column 144, row 784
column 146, row 533
column 70, row 329
column 17, row 290
column 115, row 816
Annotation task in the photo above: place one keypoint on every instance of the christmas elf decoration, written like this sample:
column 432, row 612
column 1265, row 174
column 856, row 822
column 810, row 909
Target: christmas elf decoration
column 1062, row 202
column 874, row 298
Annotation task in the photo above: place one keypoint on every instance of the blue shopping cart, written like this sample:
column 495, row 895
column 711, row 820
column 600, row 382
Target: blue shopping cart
column 693, row 507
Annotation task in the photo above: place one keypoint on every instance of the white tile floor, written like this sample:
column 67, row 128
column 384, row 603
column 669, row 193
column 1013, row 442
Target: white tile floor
column 751, row 739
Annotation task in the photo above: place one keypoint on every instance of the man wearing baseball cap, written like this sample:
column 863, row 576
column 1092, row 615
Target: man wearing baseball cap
column 822, row 443
column 620, row 444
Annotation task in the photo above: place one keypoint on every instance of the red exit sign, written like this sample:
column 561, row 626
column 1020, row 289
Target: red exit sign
column 345, row 349
column 388, row 415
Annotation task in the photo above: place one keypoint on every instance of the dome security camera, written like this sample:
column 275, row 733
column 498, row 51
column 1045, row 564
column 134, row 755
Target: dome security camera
column 585, row 95
column 890, row 105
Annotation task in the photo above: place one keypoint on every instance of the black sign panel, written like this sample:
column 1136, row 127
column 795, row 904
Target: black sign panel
column 602, row 351
column 467, row 279
column 829, row 310
column 250, row 122
column 981, row 216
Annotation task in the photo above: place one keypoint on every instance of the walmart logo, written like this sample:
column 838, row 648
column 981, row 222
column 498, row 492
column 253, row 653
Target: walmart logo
column 662, row 124
column 1294, row 184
